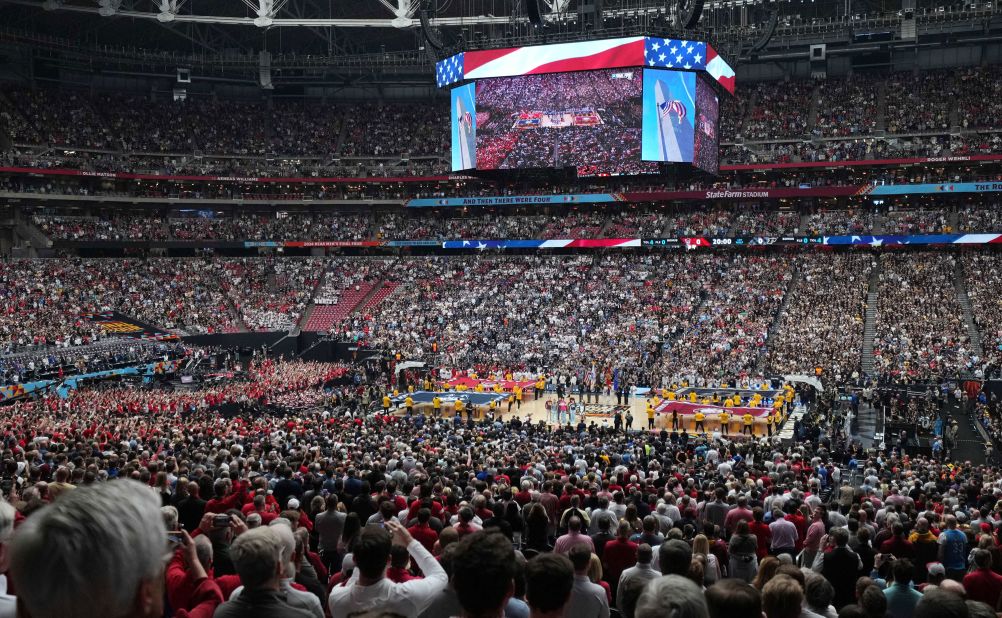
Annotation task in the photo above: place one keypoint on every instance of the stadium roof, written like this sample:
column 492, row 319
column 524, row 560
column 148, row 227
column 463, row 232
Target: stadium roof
column 385, row 36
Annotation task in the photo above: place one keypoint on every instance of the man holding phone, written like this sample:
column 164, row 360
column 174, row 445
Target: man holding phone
column 369, row 588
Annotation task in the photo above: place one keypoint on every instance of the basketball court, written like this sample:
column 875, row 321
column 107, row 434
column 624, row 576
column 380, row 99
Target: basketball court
column 602, row 409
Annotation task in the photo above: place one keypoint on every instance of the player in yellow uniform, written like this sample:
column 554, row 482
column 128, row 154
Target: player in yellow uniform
column 700, row 417
column 409, row 404
column 386, row 404
column 748, row 428
column 650, row 415
column 692, row 396
column 480, row 387
column 436, row 406
column 671, row 396
column 725, row 420
column 518, row 396
column 459, row 407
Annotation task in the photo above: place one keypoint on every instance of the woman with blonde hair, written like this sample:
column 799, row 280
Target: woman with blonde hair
column 701, row 547
column 595, row 575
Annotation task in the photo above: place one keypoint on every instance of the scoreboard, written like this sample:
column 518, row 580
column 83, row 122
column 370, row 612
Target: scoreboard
column 612, row 106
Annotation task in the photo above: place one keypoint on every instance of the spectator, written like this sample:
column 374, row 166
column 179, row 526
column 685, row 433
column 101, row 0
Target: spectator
column 98, row 551
column 671, row 595
column 549, row 583
column 368, row 587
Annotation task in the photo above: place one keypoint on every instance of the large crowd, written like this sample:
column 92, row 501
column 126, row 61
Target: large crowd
column 224, row 501
column 227, row 482
column 655, row 316
column 921, row 331
column 622, row 220
column 822, row 321
column 769, row 120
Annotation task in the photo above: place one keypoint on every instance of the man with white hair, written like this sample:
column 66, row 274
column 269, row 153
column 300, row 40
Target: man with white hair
column 257, row 555
column 295, row 598
column 96, row 552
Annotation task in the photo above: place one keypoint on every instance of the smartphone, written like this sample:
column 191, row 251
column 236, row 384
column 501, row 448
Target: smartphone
column 174, row 536
column 221, row 521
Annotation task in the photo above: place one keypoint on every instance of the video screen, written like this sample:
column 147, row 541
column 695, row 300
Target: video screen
column 464, row 128
column 706, row 149
column 558, row 120
column 669, row 116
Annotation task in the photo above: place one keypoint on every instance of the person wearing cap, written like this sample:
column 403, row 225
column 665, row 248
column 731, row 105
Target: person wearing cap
column 935, row 574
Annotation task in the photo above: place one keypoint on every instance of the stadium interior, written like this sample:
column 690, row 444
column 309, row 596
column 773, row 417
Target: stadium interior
column 491, row 308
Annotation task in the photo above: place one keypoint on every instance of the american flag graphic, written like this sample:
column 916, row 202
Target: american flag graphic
column 449, row 71
column 673, row 107
column 719, row 69
column 652, row 52
column 557, row 58
column 674, row 54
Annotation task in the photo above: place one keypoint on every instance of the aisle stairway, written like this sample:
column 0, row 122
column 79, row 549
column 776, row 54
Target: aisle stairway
column 777, row 319
column 870, row 321
column 965, row 303
column 881, row 125
column 323, row 317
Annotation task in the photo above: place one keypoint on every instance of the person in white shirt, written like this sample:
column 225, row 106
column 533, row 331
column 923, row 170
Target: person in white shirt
column 587, row 600
column 368, row 587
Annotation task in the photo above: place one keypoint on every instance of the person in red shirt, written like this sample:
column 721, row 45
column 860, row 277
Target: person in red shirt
column 898, row 544
column 983, row 584
column 226, row 499
column 260, row 506
column 740, row 513
column 619, row 554
column 189, row 570
column 422, row 532
column 760, row 529
column 397, row 571
column 798, row 520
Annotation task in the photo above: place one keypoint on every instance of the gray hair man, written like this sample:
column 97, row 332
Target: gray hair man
column 295, row 598
column 257, row 556
column 98, row 551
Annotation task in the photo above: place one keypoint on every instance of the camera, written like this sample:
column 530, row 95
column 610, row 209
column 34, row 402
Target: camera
column 221, row 521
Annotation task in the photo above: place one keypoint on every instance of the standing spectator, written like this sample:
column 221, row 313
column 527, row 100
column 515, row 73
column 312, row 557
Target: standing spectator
column 672, row 595
column 573, row 537
column 982, row 583
column 329, row 525
column 369, row 588
column 731, row 598
column 643, row 571
column 743, row 548
column 588, row 600
column 619, row 555
column 901, row 596
column 484, row 573
column 257, row 556
column 549, row 580
column 784, row 535
column 953, row 549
